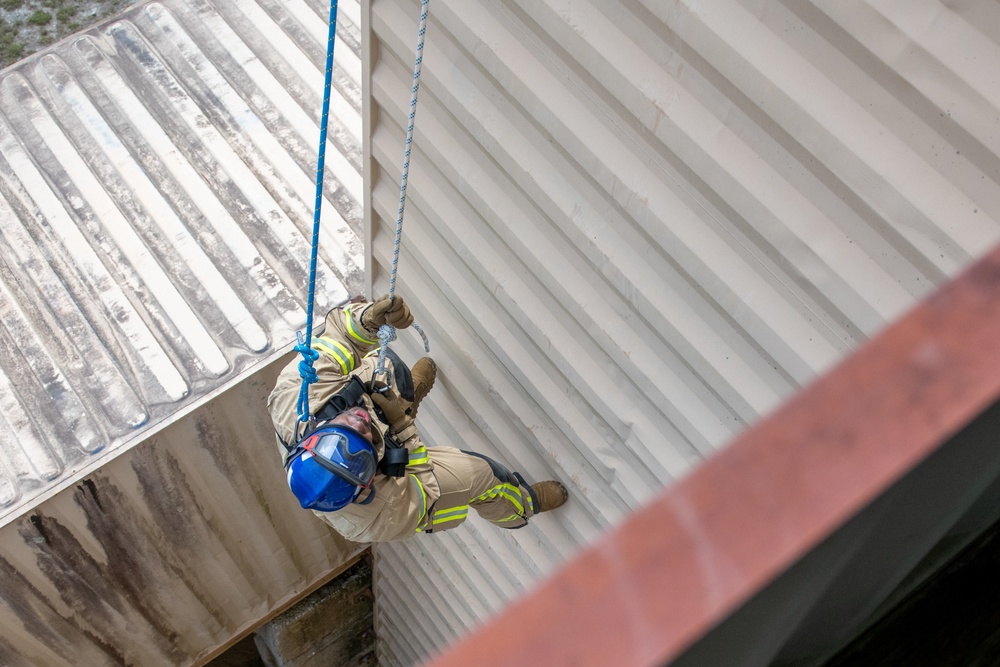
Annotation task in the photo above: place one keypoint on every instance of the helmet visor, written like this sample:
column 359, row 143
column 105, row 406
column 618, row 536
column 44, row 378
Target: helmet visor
column 344, row 452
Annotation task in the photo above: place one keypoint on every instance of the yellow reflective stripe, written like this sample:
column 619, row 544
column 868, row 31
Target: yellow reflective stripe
column 508, row 491
column 492, row 493
column 337, row 350
column 354, row 328
column 451, row 514
column 516, row 502
column 512, row 517
column 418, row 456
column 423, row 501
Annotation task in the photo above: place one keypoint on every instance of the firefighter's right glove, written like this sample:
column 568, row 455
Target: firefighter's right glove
column 393, row 409
column 392, row 311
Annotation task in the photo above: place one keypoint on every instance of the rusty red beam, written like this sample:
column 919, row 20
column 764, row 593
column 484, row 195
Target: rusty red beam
column 672, row 571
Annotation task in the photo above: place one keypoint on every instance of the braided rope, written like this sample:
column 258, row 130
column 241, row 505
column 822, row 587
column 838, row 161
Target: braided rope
column 304, row 346
column 386, row 332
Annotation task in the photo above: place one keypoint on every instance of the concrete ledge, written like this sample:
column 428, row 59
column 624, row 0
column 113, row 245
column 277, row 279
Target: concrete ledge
column 332, row 626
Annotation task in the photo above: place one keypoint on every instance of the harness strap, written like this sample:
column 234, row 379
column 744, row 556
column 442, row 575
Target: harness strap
column 348, row 397
column 395, row 457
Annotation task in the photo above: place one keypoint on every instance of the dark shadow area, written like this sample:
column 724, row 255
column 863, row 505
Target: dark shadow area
column 953, row 619
column 334, row 625
column 243, row 654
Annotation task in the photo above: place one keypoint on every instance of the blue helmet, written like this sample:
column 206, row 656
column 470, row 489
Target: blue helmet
column 329, row 467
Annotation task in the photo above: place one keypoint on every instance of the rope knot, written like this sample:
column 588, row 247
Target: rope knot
column 309, row 356
column 307, row 373
column 386, row 334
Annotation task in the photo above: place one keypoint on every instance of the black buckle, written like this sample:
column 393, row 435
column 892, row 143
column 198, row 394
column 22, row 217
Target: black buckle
column 394, row 461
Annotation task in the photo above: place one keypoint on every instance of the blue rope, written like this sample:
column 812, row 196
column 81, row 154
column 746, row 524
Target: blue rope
column 304, row 346
column 387, row 333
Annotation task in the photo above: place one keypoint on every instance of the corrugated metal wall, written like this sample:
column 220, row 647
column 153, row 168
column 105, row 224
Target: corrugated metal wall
column 635, row 227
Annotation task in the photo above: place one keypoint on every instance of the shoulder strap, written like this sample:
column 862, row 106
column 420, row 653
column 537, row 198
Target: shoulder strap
column 348, row 397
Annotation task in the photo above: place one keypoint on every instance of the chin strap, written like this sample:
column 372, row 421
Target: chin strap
column 370, row 497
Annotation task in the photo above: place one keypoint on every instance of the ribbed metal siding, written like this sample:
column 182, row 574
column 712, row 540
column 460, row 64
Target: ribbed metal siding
column 157, row 180
column 633, row 228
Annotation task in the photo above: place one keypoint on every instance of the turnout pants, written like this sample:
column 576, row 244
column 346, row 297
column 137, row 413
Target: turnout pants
column 470, row 480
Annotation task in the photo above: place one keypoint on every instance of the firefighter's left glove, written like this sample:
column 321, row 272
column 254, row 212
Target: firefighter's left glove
column 392, row 311
column 393, row 409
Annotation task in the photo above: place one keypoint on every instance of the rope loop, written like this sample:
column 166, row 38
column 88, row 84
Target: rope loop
column 306, row 370
column 427, row 344
column 386, row 334
column 307, row 373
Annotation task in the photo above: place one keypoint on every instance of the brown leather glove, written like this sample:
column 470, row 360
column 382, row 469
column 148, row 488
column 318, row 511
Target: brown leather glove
column 392, row 311
column 393, row 408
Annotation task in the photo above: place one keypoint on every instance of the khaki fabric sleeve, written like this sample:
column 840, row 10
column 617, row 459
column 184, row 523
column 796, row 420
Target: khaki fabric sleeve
column 342, row 346
column 344, row 325
column 283, row 403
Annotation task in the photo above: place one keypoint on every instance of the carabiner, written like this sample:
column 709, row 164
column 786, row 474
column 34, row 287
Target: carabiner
column 381, row 386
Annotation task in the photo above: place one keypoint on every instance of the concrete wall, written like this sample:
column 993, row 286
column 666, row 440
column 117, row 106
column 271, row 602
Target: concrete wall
column 332, row 626
column 168, row 553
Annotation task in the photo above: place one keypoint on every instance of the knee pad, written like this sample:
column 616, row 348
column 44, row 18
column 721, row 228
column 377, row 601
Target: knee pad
column 499, row 471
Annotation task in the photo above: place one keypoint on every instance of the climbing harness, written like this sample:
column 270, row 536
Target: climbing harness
column 386, row 333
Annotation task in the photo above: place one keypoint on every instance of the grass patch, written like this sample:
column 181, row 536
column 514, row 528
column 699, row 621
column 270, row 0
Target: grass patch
column 40, row 17
column 27, row 26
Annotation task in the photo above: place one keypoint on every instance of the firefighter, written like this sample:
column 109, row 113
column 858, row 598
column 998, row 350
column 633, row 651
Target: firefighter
column 360, row 464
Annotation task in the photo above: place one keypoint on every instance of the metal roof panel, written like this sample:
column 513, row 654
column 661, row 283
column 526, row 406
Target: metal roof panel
column 157, row 184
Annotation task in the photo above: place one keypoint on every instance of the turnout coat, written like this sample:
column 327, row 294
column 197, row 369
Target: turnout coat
column 439, row 484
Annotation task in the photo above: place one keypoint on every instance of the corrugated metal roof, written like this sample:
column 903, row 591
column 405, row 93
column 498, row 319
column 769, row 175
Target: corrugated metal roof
column 157, row 180
column 633, row 228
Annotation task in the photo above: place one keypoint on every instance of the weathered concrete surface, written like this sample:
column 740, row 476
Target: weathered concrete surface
column 333, row 626
column 186, row 541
